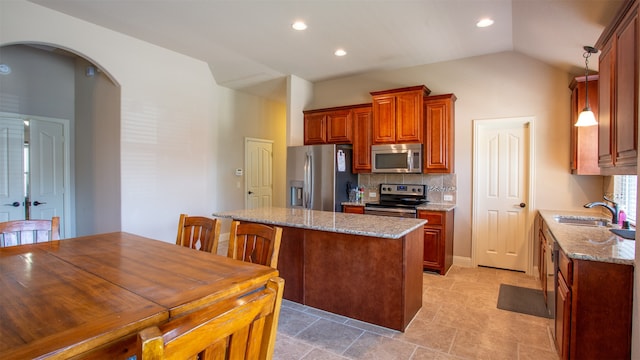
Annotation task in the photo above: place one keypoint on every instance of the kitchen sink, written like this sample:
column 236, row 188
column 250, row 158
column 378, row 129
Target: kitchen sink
column 581, row 221
column 629, row 234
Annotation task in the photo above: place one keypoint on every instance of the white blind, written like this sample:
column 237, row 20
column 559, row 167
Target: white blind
column 626, row 195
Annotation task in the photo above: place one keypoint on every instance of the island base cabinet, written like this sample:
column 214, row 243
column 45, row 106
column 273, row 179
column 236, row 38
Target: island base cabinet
column 290, row 264
column 356, row 276
column 376, row 280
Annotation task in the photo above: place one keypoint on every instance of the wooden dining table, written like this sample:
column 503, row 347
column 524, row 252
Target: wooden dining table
column 88, row 297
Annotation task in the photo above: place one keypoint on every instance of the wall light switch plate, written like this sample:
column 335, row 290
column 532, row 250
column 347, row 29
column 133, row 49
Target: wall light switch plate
column 448, row 198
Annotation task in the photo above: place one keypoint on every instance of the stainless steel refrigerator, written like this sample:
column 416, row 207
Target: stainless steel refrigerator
column 319, row 176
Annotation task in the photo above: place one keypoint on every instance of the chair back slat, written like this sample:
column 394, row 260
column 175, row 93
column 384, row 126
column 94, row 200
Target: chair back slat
column 198, row 232
column 236, row 328
column 256, row 243
column 21, row 232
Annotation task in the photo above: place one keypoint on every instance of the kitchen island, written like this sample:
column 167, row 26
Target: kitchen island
column 364, row 267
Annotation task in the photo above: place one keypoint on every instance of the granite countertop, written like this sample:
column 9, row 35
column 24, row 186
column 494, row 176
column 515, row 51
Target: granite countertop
column 355, row 224
column 427, row 206
column 437, row 207
column 594, row 243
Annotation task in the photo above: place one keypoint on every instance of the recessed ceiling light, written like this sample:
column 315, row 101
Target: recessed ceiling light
column 484, row 22
column 340, row 52
column 299, row 25
column 5, row 69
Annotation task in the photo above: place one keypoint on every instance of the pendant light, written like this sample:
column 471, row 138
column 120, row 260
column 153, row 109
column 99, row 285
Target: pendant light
column 586, row 117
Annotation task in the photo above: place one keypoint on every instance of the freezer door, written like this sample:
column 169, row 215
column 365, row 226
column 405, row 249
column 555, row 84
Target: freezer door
column 296, row 157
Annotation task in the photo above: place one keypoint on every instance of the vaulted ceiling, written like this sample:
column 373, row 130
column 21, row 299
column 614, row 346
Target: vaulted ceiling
column 250, row 45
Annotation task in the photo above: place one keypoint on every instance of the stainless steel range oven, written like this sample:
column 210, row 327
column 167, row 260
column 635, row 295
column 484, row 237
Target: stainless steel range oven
column 398, row 200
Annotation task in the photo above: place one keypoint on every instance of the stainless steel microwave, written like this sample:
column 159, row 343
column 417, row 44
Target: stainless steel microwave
column 396, row 158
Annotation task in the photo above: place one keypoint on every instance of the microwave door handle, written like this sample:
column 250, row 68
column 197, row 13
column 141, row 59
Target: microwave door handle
column 409, row 161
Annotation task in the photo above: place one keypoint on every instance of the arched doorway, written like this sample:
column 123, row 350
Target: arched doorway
column 47, row 81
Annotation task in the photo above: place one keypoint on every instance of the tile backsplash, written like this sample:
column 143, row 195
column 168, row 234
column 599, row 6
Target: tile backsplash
column 438, row 185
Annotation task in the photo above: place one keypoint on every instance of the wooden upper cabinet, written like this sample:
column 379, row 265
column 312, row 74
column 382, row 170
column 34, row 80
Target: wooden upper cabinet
column 384, row 120
column 439, row 116
column 328, row 126
column 398, row 115
column 626, row 93
column 618, row 93
column 584, row 139
column 315, row 129
column 362, row 139
column 605, row 81
column 409, row 116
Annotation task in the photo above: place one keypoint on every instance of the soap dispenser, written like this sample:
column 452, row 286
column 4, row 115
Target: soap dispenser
column 622, row 217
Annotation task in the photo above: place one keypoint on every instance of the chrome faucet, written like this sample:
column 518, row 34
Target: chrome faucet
column 613, row 208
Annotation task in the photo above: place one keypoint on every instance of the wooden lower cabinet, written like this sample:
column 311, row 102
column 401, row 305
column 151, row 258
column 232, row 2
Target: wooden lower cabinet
column 438, row 240
column 353, row 209
column 563, row 318
column 593, row 309
column 543, row 271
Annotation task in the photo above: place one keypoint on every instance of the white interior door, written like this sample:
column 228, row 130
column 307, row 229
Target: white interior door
column 46, row 148
column 11, row 169
column 501, row 193
column 259, row 176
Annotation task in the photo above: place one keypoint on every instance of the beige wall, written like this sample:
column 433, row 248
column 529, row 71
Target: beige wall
column 299, row 95
column 181, row 134
column 97, row 152
column 239, row 116
column 494, row 86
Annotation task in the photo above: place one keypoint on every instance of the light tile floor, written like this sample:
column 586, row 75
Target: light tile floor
column 458, row 320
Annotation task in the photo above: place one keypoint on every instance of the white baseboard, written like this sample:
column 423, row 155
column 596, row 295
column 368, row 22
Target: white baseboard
column 536, row 272
column 462, row 261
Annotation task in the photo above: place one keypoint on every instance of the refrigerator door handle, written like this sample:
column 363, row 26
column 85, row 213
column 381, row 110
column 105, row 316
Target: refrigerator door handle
column 308, row 181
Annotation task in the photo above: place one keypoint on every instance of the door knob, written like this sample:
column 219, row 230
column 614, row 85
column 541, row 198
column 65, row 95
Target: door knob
column 250, row 192
column 523, row 205
column 14, row 204
column 36, row 203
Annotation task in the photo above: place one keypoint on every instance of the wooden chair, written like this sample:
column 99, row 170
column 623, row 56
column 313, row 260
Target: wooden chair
column 19, row 232
column 198, row 232
column 236, row 328
column 256, row 243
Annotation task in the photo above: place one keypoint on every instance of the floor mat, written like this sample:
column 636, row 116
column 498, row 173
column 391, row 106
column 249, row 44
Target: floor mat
column 522, row 300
